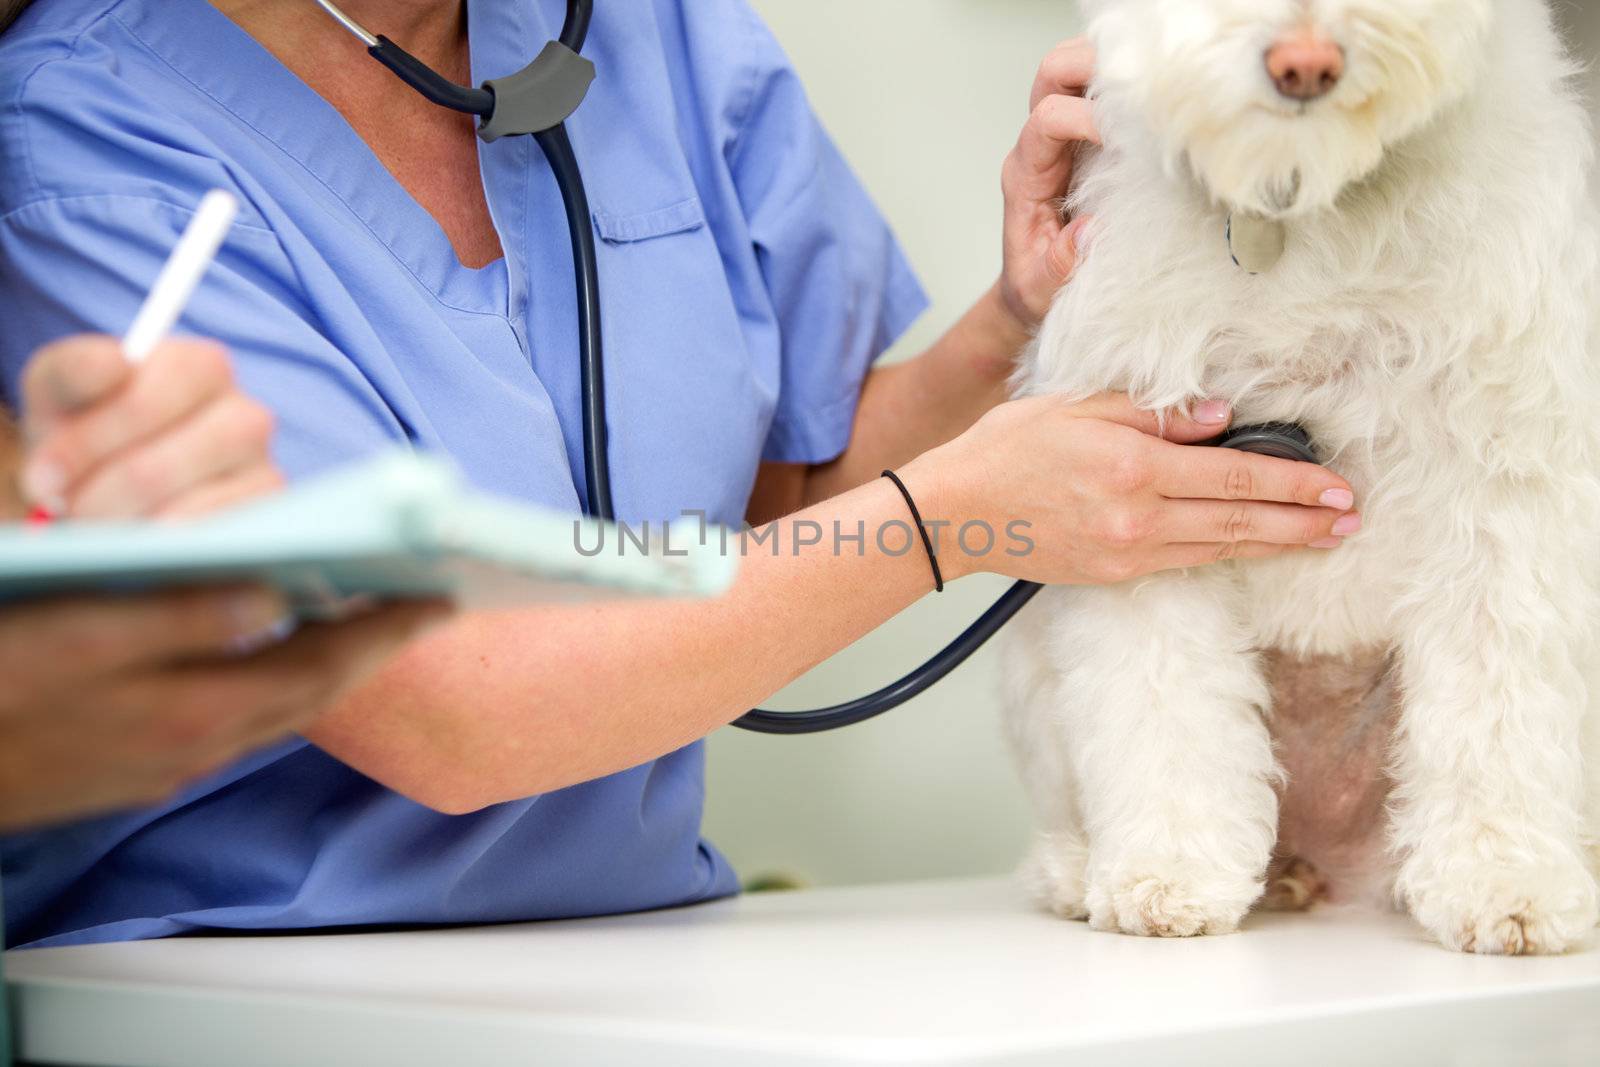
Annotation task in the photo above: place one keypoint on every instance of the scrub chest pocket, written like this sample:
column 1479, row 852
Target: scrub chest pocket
column 683, row 382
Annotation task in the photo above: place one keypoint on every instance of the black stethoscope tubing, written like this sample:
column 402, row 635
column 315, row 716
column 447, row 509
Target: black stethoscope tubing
column 557, row 148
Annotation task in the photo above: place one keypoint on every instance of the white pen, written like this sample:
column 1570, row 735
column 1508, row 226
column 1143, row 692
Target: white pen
column 181, row 274
column 176, row 283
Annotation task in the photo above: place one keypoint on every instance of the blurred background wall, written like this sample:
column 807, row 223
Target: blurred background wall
column 925, row 97
column 1583, row 21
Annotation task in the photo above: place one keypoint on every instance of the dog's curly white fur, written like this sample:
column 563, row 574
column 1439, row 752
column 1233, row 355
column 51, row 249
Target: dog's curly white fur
column 1432, row 323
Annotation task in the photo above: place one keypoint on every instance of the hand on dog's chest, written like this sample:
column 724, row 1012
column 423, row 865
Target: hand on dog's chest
column 1256, row 243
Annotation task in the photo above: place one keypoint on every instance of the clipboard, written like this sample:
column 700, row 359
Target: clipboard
column 399, row 526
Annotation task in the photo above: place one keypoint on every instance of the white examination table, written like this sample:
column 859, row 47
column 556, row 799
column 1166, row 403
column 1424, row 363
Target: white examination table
column 930, row 973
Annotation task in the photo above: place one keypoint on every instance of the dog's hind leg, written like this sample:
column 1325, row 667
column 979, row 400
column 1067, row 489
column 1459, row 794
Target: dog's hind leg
column 1161, row 701
column 1293, row 884
column 1052, row 873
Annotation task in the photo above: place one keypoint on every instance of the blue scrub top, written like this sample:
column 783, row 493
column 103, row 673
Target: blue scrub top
column 748, row 285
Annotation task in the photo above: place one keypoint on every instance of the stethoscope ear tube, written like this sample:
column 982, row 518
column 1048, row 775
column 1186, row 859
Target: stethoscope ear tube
column 414, row 72
column 425, row 80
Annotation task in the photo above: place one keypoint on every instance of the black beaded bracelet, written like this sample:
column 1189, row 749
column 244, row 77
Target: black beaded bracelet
column 922, row 528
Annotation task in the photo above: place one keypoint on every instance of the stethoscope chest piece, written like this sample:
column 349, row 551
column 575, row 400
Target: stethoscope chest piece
column 1280, row 440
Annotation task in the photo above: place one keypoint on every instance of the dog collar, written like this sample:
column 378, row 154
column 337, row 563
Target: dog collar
column 1256, row 243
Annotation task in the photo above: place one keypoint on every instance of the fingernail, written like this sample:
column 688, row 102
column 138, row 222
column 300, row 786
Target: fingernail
column 1349, row 524
column 275, row 632
column 44, row 484
column 255, row 611
column 1212, row 412
column 1328, row 542
column 351, row 607
column 1082, row 235
column 1339, row 500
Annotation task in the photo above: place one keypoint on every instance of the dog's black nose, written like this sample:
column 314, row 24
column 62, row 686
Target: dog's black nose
column 1305, row 65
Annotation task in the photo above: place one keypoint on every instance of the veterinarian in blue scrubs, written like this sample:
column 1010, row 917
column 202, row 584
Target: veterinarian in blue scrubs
column 544, row 763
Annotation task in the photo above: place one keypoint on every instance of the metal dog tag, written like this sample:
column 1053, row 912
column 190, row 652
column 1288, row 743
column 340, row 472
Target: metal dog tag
column 1256, row 243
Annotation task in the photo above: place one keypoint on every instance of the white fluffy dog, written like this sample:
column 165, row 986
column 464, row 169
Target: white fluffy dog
column 1431, row 322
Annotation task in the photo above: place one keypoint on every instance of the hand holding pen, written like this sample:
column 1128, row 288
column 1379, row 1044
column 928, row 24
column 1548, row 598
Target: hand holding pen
column 169, row 684
column 146, row 427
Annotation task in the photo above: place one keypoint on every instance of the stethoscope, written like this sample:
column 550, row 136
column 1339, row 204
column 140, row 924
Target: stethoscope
column 537, row 101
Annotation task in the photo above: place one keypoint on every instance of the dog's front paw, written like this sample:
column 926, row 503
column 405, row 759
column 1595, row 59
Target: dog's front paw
column 1170, row 898
column 1498, row 908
